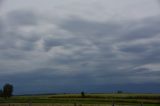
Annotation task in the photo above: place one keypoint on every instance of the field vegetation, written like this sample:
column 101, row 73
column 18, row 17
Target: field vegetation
column 94, row 99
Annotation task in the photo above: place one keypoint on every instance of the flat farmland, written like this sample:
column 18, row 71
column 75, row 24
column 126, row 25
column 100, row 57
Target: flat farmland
column 87, row 100
column 56, row 104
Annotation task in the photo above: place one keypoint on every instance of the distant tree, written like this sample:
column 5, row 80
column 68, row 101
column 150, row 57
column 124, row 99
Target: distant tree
column 113, row 103
column 1, row 93
column 82, row 94
column 7, row 90
column 119, row 91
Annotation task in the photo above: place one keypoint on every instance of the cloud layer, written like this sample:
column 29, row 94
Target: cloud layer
column 80, row 44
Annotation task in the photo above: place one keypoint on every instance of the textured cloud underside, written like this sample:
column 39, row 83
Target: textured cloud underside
column 113, row 42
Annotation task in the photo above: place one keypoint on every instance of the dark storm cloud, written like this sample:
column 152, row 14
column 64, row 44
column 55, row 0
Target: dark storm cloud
column 92, row 47
column 31, row 82
column 134, row 49
column 51, row 80
column 105, row 37
column 145, row 71
column 77, row 53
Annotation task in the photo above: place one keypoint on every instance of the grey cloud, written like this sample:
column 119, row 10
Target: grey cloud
column 134, row 48
column 109, row 57
column 16, row 55
column 88, row 28
column 146, row 72
column 96, row 53
column 22, row 18
column 24, row 44
column 145, row 32
column 50, row 82
column 11, row 35
column 1, row 1
column 84, row 33
column 147, row 28
column 16, row 45
column 145, row 53
column 1, row 27
column 49, row 43
column 67, row 43
column 99, row 35
column 49, row 77
column 152, row 57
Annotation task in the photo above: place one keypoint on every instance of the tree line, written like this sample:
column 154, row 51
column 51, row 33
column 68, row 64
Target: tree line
column 6, row 91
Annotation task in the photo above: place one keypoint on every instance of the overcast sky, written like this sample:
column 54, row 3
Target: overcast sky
column 80, row 45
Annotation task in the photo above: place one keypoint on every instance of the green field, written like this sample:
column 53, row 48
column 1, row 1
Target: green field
column 94, row 99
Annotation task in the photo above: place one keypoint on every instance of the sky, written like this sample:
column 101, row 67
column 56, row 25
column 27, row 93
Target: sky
column 69, row 46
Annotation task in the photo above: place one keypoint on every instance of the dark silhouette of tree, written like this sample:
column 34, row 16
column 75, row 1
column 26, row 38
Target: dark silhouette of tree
column 119, row 91
column 82, row 94
column 7, row 90
column 1, row 93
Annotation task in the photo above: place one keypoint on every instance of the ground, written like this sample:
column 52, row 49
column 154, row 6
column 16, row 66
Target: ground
column 88, row 100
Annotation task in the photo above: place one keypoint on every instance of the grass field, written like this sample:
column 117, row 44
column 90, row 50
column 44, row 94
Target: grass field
column 89, row 99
